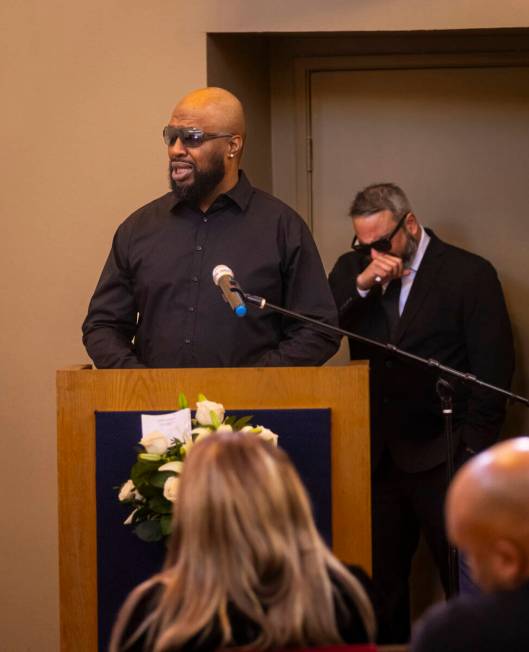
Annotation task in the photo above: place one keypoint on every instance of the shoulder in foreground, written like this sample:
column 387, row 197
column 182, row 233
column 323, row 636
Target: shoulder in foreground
column 455, row 626
column 359, row 573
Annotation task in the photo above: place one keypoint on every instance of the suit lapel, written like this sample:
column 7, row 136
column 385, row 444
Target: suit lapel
column 432, row 260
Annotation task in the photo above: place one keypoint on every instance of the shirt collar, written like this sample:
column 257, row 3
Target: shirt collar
column 421, row 250
column 241, row 191
column 240, row 194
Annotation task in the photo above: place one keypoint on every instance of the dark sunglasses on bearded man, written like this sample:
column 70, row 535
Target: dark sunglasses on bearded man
column 189, row 136
column 382, row 245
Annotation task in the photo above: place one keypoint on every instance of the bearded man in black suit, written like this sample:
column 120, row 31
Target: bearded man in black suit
column 401, row 284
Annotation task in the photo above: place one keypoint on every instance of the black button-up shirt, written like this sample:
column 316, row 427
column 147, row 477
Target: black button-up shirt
column 156, row 304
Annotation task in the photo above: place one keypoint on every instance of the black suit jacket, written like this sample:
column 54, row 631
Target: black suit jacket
column 456, row 314
column 483, row 623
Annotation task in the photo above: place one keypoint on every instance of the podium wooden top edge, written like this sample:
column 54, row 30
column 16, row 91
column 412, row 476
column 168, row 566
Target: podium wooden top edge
column 77, row 367
column 89, row 367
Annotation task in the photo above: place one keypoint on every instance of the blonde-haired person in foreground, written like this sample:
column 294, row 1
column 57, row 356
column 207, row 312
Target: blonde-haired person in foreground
column 246, row 566
column 487, row 515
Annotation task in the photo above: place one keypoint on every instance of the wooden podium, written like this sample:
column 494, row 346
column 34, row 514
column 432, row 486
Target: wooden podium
column 82, row 391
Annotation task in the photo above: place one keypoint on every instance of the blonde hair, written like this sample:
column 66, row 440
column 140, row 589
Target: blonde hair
column 243, row 533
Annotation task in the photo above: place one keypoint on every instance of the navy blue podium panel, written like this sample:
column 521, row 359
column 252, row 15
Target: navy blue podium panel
column 124, row 560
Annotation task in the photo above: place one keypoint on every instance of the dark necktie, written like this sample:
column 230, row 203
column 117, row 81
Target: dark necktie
column 390, row 303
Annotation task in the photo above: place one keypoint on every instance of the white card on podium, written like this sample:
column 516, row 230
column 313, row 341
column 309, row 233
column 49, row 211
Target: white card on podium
column 174, row 425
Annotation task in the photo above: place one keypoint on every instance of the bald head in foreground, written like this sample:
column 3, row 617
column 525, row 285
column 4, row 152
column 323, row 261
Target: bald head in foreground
column 487, row 515
column 156, row 304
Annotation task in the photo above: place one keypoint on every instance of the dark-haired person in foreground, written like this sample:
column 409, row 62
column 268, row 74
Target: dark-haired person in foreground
column 487, row 513
column 245, row 565
column 402, row 284
column 156, row 305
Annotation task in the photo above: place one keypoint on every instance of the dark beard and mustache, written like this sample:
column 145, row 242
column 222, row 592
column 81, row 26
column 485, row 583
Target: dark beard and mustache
column 410, row 250
column 204, row 182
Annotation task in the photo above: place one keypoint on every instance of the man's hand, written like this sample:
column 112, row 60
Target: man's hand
column 382, row 269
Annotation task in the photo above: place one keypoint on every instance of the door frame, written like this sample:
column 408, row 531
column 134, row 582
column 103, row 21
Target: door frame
column 306, row 67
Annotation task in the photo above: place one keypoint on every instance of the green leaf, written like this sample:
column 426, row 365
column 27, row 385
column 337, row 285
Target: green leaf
column 214, row 419
column 148, row 491
column 149, row 457
column 243, row 421
column 160, row 505
column 165, row 524
column 173, row 452
column 201, row 397
column 142, row 470
column 149, row 530
column 158, row 479
column 182, row 401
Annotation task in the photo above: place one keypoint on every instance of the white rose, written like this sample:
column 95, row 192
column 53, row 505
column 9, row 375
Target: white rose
column 155, row 442
column 204, row 410
column 175, row 466
column 170, row 488
column 199, row 433
column 267, row 435
column 127, row 492
column 224, row 427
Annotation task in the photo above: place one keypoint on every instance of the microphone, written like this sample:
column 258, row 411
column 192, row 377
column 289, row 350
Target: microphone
column 223, row 278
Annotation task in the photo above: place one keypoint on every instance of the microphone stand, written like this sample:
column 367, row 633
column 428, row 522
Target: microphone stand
column 444, row 389
column 445, row 392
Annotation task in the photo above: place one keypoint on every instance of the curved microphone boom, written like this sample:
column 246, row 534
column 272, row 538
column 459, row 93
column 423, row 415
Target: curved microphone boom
column 223, row 278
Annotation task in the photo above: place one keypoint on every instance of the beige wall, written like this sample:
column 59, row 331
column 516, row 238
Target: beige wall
column 85, row 88
column 241, row 64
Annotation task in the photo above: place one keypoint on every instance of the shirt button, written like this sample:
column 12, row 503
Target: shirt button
column 191, row 309
column 204, row 219
column 187, row 340
column 194, row 279
column 198, row 247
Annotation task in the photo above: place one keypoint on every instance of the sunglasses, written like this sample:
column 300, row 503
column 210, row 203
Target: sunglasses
column 382, row 244
column 189, row 136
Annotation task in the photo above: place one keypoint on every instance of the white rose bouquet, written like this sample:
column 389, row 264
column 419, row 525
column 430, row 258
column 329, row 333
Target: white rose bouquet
column 152, row 487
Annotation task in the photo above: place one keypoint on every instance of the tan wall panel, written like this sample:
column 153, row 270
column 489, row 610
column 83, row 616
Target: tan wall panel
column 362, row 15
column 241, row 64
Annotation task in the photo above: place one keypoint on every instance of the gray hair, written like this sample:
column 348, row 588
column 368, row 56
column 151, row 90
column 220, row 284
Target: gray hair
column 380, row 197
